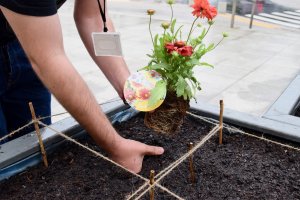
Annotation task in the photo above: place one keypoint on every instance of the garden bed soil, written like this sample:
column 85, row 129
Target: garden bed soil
column 242, row 167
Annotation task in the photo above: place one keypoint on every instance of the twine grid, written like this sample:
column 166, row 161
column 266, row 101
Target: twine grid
column 165, row 171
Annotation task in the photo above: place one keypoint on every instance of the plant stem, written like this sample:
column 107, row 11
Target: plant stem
column 218, row 43
column 191, row 30
column 151, row 32
column 206, row 31
column 172, row 13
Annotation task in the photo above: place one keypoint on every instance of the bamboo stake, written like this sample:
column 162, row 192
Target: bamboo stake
column 192, row 171
column 38, row 133
column 221, row 122
column 152, row 173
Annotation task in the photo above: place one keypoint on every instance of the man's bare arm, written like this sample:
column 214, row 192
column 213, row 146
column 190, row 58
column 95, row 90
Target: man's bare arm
column 42, row 41
column 88, row 19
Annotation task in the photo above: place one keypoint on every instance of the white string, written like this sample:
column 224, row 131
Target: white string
column 105, row 158
column 93, row 151
column 16, row 131
column 236, row 130
column 168, row 169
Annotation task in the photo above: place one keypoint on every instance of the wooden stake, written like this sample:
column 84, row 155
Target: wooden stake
column 38, row 133
column 221, row 122
column 192, row 171
column 152, row 173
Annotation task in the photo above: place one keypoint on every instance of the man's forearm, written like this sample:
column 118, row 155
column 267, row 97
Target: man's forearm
column 69, row 88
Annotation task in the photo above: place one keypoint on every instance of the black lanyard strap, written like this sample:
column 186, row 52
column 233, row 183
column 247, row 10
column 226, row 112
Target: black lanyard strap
column 103, row 17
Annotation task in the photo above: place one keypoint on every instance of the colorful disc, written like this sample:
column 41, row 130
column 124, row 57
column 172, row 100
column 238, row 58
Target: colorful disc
column 141, row 92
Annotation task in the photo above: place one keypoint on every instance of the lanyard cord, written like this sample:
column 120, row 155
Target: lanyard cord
column 103, row 17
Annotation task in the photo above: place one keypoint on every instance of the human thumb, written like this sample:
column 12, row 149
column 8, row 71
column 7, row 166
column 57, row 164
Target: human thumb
column 153, row 150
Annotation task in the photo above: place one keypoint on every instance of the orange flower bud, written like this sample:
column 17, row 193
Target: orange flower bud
column 150, row 11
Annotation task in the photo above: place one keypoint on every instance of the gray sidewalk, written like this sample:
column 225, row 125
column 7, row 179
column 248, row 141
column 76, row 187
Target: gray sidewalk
column 252, row 67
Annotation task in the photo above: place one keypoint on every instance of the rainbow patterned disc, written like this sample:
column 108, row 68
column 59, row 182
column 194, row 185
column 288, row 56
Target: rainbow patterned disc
column 138, row 89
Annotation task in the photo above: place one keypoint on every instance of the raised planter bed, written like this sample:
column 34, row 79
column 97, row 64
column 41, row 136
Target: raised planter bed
column 243, row 167
column 286, row 108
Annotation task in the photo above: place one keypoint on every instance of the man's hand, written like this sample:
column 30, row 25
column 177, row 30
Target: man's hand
column 130, row 154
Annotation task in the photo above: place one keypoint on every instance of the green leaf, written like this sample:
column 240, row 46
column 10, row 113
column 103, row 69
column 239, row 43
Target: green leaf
column 180, row 86
column 173, row 25
column 144, row 68
column 200, row 51
column 196, row 82
column 151, row 56
column 180, row 35
column 193, row 43
column 202, row 34
column 206, row 64
column 158, row 92
column 195, row 61
column 155, row 40
column 160, row 66
column 184, row 96
column 175, row 35
column 188, row 93
column 168, row 37
column 210, row 47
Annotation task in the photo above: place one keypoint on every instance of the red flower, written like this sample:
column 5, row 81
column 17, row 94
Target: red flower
column 170, row 47
column 185, row 51
column 144, row 94
column 179, row 44
column 179, row 47
column 202, row 9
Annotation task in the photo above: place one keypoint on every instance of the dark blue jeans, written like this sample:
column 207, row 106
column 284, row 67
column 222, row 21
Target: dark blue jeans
column 19, row 85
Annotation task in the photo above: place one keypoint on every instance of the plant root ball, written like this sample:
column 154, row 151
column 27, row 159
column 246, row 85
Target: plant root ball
column 168, row 118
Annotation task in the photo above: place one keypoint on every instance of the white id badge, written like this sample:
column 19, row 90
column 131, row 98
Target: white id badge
column 107, row 44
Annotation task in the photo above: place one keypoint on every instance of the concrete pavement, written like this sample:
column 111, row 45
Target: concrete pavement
column 252, row 67
column 288, row 3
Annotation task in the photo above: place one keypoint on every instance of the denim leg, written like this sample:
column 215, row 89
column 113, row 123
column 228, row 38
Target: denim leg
column 23, row 87
column 3, row 128
column 3, row 74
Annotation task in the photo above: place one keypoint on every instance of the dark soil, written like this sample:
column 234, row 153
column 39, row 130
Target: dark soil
column 242, row 168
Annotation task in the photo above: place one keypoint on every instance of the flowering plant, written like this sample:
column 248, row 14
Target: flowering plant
column 175, row 58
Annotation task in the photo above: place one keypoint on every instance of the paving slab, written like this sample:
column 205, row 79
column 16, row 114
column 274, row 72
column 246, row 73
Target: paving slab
column 252, row 67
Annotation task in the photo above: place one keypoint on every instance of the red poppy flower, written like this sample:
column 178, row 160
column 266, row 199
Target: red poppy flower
column 185, row 51
column 202, row 9
column 144, row 94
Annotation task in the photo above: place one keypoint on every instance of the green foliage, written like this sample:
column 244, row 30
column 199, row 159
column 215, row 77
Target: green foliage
column 158, row 92
column 177, row 69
